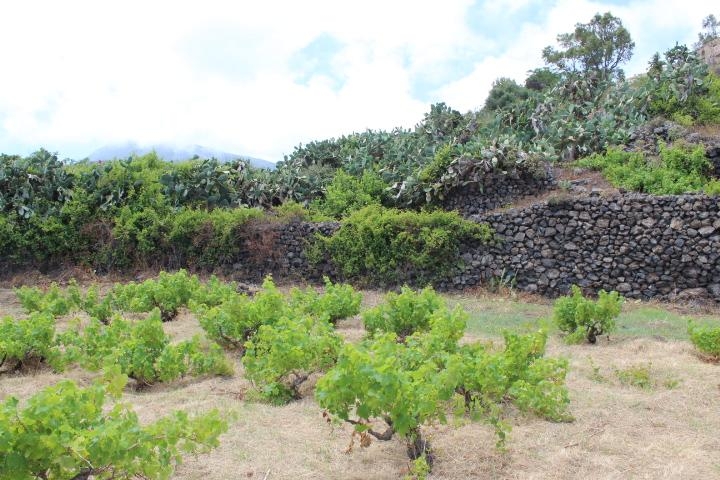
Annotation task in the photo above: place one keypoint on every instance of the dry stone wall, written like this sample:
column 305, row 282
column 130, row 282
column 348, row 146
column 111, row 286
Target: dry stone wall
column 494, row 191
column 640, row 245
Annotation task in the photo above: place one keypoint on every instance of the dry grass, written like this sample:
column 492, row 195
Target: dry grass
column 668, row 431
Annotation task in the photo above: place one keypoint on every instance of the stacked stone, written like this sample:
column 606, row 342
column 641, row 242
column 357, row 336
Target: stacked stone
column 640, row 245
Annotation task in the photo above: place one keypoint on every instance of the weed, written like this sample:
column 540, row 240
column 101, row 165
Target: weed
column 636, row 376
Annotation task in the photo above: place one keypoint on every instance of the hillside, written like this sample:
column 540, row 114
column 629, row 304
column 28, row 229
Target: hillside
column 172, row 153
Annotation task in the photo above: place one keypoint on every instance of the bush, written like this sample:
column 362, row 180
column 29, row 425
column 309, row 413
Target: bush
column 28, row 342
column 709, row 105
column 681, row 169
column 207, row 239
column 584, row 319
column 235, row 321
column 168, row 293
column 281, row 357
column 421, row 380
column 347, row 194
column 67, row 432
column 338, row 301
column 706, row 340
column 54, row 301
column 142, row 351
column 391, row 246
column 404, row 313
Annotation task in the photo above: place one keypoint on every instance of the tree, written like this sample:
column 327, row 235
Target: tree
column 711, row 25
column 596, row 48
column 504, row 92
column 541, row 79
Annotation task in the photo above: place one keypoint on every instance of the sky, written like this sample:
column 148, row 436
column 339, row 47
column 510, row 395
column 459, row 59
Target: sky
column 259, row 78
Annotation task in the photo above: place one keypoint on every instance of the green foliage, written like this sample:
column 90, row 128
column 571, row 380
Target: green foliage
column 520, row 372
column 389, row 244
column 708, row 105
column 404, row 313
column 706, row 339
column 338, row 301
column 97, row 306
column 419, row 469
column 36, row 185
column 470, row 163
column 347, row 193
column 67, row 432
column 207, row 239
column 596, row 48
column 280, row 357
column 212, row 293
column 541, row 79
column 142, row 351
column 53, row 301
column 583, row 319
column 681, row 87
column 681, row 169
column 429, row 375
column 439, row 165
column 168, row 293
column 234, row 321
column 504, row 92
column 28, row 342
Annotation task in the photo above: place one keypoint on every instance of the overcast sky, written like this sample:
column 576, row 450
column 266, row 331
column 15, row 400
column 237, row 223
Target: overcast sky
column 258, row 78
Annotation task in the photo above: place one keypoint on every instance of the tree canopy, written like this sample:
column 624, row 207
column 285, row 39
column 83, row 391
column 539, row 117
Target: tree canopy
column 597, row 47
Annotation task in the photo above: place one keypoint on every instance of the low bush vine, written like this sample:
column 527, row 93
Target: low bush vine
column 337, row 301
column 403, row 313
column 142, row 351
column 28, row 342
column 238, row 319
column 583, row 319
column 706, row 339
column 67, row 432
column 281, row 357
column 168, row 293
column 430, row 376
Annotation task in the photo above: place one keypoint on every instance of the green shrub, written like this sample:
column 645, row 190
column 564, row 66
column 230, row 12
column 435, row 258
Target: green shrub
column 54, row 301
column 280, row 357
column 404, row 313
column 680, row 169
column 207, row 239
column 709, row 105
column 29, row 342
column 67, row 432
column 236, row 320
column 391, row 246
column 584, row 319
column 142, row 351
column 168, row 293
column 338, row 301
column 706, row 339
column 347, row 194
column 439, row 165
column 422, row 380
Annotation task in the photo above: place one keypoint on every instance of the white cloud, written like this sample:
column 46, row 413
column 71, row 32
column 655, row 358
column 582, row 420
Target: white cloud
column 85, row 73
column 646, row 21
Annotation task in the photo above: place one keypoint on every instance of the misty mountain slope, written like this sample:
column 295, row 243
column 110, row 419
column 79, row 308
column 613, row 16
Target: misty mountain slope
column 172, row 153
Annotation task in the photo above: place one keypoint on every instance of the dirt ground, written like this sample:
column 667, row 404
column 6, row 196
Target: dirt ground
column 669, row 430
